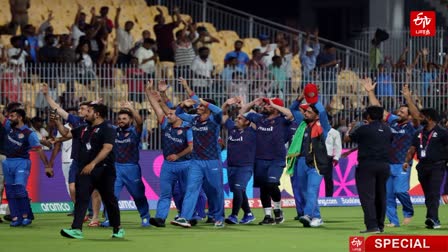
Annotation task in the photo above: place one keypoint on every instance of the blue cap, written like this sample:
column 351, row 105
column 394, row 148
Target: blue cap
column 263, row 37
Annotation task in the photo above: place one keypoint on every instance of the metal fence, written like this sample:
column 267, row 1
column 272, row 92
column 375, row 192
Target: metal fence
column 400, row 39
column 340, row 89
column 249, row 26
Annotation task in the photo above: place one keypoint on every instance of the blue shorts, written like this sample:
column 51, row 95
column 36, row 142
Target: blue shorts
column 239, row 177
column 72, row 172
column 268, row 172
column 16, row 171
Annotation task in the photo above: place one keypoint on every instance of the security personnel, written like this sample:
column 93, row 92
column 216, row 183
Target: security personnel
column 97, row 170
column 430, row 144
column 374, row 142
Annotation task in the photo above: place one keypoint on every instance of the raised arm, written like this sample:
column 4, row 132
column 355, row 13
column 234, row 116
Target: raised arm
column 294, row 108
column 176, row 12
column 282, row 110
column 153, row 98
column 413, row 110
column 117, row 18
column 52, row 103
column 403, row 55
column 370, row 89
column 425, row 53
column 78, row 13
column 166, row 104
column 415, row 61
column 225, row 109
column 323, row 117
column 186, row 87
column 137, row 118
column 181, row 113
column 247, row 107
column 213, row 108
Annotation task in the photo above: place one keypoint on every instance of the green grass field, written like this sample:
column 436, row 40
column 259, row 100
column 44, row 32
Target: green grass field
column 340, row 223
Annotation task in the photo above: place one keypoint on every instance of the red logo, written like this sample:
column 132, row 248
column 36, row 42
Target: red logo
column 423, row 23
column 356, row 243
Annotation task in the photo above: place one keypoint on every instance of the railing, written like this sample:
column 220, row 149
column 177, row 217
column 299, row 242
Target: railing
column 250, row 26
column 340, row 90
column 399, row 40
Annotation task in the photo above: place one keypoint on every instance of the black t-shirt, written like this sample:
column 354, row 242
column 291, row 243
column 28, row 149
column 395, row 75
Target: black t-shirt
column 91, row 141
column 374, row 142
column 435, row 149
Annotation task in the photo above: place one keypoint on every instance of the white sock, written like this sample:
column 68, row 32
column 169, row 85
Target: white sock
column 278, row 205
column 268, row 211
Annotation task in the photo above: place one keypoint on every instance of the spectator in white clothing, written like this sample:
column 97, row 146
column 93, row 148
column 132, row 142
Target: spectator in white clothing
column 86, row 72
column 334, row 150
column 202, row 69
column 17, row 55
column 79, row 26
column 267, row 50
column 124, row 38
column 146, row 57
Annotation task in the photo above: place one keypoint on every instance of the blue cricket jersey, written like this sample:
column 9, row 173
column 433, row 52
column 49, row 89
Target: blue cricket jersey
column 402, row 136
column 272, row 134
column 19, row 141
column 205, row 133
column 175, row 140
column 126, row 145
column 241, row 145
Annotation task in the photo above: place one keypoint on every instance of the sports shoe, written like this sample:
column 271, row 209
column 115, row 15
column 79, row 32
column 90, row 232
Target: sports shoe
column 16, row 223
column 278, row 213
column 157, row 222
column 371, row 231
column 316, row 222
column 210, row 220
column 193, row 222
column 119, row 234
column 219, row 224
column 105, row 223
column 182, row 222
column 297, row 217
column 268, row 220
column 432, row 224
column 232, row 219
column 305, row 220
column 247, row 218
column 72, row 233
column 145, row 222
column 26, row 222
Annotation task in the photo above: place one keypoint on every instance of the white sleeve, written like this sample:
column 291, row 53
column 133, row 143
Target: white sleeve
column 337, row 145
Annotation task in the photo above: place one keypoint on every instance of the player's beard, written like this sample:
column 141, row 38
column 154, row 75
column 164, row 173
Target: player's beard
column 125, row 126
column 14, row 124
column 308, row 120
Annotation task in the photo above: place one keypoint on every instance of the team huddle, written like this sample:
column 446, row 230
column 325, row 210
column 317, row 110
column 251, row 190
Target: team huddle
column 263, row 137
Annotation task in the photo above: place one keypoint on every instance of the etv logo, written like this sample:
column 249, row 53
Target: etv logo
column 356, row 243
column 423, row 23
